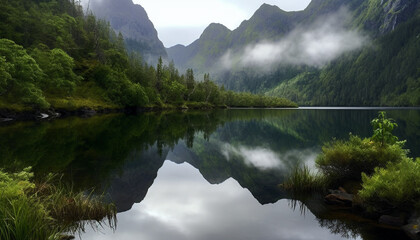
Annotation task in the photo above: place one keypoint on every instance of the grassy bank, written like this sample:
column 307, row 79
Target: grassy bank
column 386, row 178
column 33, row 211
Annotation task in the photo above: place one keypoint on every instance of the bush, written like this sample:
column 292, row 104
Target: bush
column 346, row 160
column 396, row 186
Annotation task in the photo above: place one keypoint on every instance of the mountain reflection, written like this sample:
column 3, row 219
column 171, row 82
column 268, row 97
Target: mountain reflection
column 182, row 205
column 220, row 180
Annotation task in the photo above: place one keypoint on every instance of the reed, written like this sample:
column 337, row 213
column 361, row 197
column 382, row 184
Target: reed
column 46, row 211
column 302, row 181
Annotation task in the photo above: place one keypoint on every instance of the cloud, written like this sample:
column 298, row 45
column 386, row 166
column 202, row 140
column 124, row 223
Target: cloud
column 313, row 45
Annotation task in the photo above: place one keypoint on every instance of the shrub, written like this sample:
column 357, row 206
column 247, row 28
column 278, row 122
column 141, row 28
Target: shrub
column 346, row 160
column 397, row 185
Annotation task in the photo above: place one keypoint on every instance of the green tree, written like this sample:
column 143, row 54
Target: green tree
column 58, row 66
column 23, row 75
column 5, row 76
column 159, row 75
column 382, row 130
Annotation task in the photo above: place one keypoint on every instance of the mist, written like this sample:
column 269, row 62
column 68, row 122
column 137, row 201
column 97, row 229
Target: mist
column 313, row 45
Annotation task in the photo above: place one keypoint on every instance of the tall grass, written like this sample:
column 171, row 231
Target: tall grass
column 24, row 218
column 303, row 181
column 45, row 211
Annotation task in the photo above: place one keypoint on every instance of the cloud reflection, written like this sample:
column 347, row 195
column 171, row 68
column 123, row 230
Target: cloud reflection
column 265, row 159
column 182, row 205
column 261, row 158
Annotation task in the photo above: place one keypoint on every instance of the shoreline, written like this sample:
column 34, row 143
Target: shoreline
column 10, row 115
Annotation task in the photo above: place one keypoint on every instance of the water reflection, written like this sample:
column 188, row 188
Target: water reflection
column 182, row 205
column 245, row 154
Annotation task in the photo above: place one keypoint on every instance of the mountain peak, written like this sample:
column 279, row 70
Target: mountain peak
column 215, row 31
column 133, row 22
column 267, row 9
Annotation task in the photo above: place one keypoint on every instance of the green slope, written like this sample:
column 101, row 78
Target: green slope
column 384, row 72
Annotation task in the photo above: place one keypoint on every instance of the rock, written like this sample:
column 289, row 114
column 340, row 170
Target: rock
column 412, row 229
column 342, row 190
column 391, row 220
column 339, row 198
column 86, row 112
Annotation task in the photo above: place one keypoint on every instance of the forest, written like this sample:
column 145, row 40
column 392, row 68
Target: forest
column 55, row 55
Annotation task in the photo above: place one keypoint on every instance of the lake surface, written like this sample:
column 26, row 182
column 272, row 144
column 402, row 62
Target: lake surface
column 202, row 175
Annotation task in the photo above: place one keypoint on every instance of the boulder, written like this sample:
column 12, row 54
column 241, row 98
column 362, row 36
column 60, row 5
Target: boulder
column 412, row 229
column 339, row 197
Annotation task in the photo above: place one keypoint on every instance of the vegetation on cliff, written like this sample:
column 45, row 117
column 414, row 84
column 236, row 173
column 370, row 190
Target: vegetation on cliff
column 53, row 55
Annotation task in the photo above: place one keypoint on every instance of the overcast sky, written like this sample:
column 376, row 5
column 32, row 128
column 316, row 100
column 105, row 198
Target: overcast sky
column 183, row 21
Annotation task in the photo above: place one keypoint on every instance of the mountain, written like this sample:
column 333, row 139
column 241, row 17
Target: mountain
column 212, row 44
column 133, row 22
column 381, row 70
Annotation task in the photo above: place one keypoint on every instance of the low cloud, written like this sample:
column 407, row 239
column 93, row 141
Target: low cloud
column 313, row 45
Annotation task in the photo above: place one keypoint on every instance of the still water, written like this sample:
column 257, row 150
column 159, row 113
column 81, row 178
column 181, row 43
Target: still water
column 202, row 175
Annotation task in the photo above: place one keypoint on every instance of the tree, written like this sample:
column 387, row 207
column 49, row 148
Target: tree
column 159, row 75
column 23, row 75
column 190, row 82
column 5, row 76
column 58, row 66
column 382, row 130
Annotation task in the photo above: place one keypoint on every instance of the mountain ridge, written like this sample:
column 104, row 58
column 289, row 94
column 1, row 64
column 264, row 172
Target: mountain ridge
column 132, row 21
column 375, row 19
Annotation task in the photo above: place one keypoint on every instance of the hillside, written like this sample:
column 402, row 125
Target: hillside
column 374, row 63
column 133, row 22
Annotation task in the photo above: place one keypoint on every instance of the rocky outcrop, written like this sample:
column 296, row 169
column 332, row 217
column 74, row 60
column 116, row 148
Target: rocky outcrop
column 339, row 197
column 133, row 22
column 396, row 12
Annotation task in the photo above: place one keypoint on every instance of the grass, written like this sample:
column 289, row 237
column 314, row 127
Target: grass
column 303, row 181
column 10, row 105
column 87, row 94
column 389, row 179
column 46, row 211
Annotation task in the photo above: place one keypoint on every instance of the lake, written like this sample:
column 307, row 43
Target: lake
column 202, row 174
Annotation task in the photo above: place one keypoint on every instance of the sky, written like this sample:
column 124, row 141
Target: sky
column 183, row 21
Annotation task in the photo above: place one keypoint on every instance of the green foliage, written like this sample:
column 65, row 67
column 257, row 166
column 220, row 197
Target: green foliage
column 119, row 89
column 382, row 130
column 346, row 160
column 58, row 66
column 5, row 76
column 303, row 181
column 25, row 218
column 23, row 75
column 44, row 211
column 69, row 51
column 16, row 184
column 396, row 185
